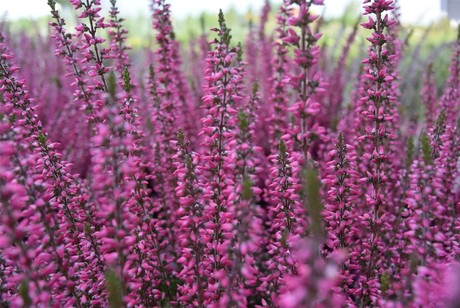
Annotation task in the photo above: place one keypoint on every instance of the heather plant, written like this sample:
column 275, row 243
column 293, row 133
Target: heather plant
column 222, row 174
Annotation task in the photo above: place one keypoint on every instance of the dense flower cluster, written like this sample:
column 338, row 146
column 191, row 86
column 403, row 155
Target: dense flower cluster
column 242, row 180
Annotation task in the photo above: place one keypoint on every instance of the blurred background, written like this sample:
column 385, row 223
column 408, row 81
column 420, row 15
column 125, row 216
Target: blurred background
column 429, row 29
column 412, row 11
column 193, row 17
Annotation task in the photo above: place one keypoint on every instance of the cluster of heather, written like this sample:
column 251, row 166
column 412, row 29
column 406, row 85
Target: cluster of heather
column 224, row 174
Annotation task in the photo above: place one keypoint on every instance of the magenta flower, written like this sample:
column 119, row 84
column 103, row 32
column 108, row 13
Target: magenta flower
column 214, row 174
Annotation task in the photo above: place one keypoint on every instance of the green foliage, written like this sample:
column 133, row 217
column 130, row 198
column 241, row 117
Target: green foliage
column 255, row 88
column 24, row 293
column 127, row 86
column 282, row 148
column 112, row 84
column 152, row 80
column 246, row 193
column 165, row 289
column 12, row 119
column 438, row 131
column 114, row 289
column 410, row 152
column 440, row 126
column 41, row 138
column 243, row 121
column 384, row 282
column 180, row 136
column 57, row 82
column 284, row 238
column 87, row 228
column 239, row 52
column 426, row 148
column 225, row 36
column 52, row 4
column 312, row 187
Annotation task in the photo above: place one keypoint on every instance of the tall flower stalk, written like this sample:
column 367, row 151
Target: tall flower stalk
column 377, row 134
column 223, row 80
column 304, row 81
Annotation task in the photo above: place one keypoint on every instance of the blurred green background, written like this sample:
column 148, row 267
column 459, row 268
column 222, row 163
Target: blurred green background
column 424, row 44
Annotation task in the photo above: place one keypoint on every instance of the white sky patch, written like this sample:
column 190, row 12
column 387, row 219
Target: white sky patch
column 412, row 11
column 14, row 9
